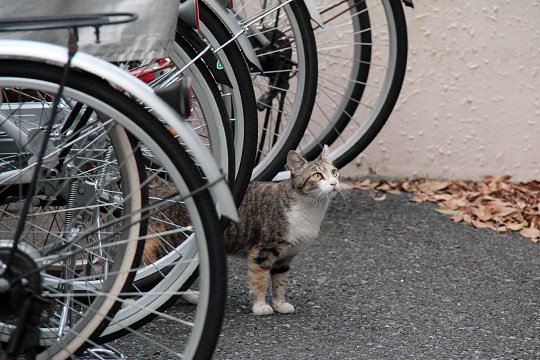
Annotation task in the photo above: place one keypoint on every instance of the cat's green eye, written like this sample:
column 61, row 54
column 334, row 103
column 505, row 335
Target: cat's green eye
column 317, row 176
column 335, row 173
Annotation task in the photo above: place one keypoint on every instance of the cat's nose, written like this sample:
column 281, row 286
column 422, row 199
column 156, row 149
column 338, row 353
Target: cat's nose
column 333, row 183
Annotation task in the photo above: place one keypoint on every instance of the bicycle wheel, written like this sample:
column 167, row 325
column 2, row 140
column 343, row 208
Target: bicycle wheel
column 87, row 202
column 360, row 77
column 285, row 91
column 106, row 207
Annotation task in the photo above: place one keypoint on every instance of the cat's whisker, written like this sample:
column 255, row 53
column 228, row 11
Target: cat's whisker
column 324, row 198
column 345, row 195
column 320, row 198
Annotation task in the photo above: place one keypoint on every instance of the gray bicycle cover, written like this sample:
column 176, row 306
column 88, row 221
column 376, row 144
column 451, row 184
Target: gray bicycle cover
column 150, row 36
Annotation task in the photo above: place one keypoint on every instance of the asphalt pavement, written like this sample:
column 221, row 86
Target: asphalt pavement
column 394, row 279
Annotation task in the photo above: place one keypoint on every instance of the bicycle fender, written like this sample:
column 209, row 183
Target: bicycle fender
column 313, row 12
column 409, row 3
column 198, row 44
column 188, row 13
column 24, row 49
column 236, row 29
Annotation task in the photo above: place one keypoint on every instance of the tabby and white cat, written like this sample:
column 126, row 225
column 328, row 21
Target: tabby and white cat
column 277, row 220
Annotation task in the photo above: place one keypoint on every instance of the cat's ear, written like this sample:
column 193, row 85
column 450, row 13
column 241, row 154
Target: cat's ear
column 324, row 153
column 295, row 161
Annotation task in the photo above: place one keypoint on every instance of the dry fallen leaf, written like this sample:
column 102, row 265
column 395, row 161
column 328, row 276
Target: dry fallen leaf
column 379, row 198
column 479, row 224
column 364, row 185
column 516, row 227
column 532, row 233
column 432, row 185
column 482, row 213
column 383, row 187
column 448, row 211
column 502, row 211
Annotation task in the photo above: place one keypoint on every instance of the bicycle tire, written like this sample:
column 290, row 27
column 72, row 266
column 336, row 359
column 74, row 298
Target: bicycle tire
column 216, row 129
column 359, row 17
column 293, row 104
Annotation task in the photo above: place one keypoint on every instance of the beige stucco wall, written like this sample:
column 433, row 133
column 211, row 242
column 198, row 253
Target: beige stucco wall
column 470, row 104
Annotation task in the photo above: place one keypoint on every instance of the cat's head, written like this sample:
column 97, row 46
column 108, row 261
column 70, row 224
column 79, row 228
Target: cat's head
column 318, row 177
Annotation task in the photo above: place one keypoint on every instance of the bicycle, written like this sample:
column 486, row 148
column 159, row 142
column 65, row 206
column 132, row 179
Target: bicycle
column 143, row 127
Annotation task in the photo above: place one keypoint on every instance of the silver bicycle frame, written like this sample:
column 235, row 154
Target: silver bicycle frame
column 22, row 49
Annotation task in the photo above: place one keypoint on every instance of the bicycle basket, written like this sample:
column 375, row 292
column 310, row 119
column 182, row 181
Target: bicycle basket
column 150, row 36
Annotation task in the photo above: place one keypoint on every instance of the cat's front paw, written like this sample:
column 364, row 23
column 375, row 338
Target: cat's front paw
column 127, row 303
column 262, row 309
column 191, row 297
column 284, row 308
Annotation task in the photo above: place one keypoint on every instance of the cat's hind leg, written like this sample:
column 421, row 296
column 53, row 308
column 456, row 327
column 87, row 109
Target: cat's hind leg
column 258, row 275
column 279, row 275
column 258, row 280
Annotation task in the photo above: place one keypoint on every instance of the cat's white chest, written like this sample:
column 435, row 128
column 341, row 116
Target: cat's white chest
column 304, row 223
